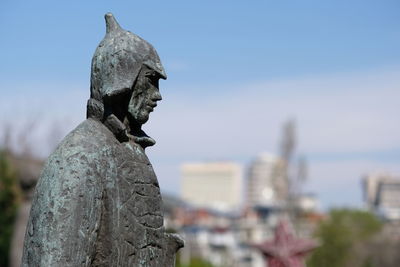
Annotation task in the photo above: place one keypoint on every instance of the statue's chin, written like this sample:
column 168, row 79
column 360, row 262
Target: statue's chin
column 139, row 119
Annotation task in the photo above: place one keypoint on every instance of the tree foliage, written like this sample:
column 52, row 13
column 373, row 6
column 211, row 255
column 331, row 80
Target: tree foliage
column 340, row 235
column 9, row 194
column 194, row 262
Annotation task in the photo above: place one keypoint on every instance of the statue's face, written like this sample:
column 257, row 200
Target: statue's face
column 145, row 95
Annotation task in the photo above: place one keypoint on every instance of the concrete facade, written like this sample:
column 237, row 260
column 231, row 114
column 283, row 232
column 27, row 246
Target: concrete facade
column 213, row 185
column 266, row 184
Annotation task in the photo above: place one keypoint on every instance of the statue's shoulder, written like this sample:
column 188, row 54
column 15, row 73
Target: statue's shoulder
column 90, row 134
column 66, row 202
column 89, row 146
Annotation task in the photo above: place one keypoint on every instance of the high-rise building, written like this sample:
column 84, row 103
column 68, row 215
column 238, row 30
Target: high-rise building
column 370, row 184
column 214, row 185
column 388, row 200
column 266, row 181
column 382, row 195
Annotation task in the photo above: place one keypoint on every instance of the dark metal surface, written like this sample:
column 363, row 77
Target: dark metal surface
column 98, row 202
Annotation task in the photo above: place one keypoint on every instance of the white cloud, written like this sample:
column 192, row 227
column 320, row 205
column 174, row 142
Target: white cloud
column 341, row 113
column 41, row 113
column 335, row 114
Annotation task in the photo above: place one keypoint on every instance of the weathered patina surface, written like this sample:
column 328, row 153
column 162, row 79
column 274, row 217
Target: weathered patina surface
column 98, row 202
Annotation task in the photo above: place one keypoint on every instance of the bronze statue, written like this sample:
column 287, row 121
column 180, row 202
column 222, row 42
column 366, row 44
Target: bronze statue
column 98, row 202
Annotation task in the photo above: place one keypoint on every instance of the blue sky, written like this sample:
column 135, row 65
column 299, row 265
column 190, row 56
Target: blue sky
column 237, row 70
column 216, row 41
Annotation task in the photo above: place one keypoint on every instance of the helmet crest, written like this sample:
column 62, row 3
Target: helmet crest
column 111, row 24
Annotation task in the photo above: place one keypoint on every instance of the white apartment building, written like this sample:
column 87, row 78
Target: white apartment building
column 266, row 182
column 382, row 195
column 213, row 185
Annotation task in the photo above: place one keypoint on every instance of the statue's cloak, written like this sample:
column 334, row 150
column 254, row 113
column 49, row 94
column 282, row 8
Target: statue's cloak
column 97, row 203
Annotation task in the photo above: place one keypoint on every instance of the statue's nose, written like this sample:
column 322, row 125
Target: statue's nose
column 156, row 96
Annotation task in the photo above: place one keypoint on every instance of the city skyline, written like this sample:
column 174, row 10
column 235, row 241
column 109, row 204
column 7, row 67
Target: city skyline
column 236, row 71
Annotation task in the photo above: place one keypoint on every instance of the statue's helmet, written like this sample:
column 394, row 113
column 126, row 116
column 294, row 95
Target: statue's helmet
column 118, row 60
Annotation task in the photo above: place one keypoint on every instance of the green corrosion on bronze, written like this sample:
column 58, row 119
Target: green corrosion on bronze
column 98, row 202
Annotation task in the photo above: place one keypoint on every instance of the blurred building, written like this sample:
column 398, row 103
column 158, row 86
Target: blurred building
column 307, row 203
column 174, row 211
column 266, row 182
column 382, row 195
column 388, row 200
column 370, row 184
column 227, row 239
column 213, row 185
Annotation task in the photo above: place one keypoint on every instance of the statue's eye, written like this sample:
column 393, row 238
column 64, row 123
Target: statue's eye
column 153, row 79
column 150, row 75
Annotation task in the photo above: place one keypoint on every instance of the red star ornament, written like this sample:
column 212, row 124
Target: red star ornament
column 285, row 250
